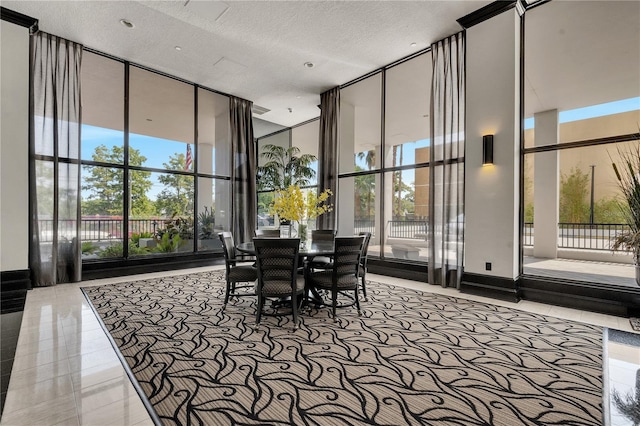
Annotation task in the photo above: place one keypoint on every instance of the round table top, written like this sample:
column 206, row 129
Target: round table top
column 310, row 248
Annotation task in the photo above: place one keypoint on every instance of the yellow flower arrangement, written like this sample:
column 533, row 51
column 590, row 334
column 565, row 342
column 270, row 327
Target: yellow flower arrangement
column 294, row 205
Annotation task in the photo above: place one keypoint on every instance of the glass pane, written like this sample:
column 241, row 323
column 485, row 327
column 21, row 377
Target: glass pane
column 408, row 89
column 213, row 212
column 592, row 97
column 102, row 212
column 405, row 219
column 306, row 138
column 44, row 197
column 161, row 205
column 265, row 218
column 360, row 125
column 528, row 200
column 358, row 209
column 282, row 140
column 214, row 140
column 102, row 106
column 161, row 120
column 576, row 214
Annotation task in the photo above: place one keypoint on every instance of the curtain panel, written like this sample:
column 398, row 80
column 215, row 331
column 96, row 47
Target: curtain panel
column 446, row 219
column 328, row 153
column 243, row 170
column 54, row 184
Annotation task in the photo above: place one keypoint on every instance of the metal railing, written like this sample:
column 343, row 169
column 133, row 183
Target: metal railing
column 102, row 229
column 404, row 228
column 364, row 225
column 597, row 236
column 528, row 234
column 411, row 229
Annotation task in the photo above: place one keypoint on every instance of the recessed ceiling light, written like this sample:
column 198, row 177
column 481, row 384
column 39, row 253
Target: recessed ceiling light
column 178, row 48
column 414, row 44
column 127, row 23
column 309, row 64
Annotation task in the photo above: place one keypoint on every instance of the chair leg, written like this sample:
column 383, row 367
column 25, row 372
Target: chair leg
column 364, row 289
column 259, row 311
column 357, row 301
column 334, row 302
column 226, row 295
column 294, row 309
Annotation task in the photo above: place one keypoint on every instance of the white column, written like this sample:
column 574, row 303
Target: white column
column 492, row 230
column 14, row 148
column 545, row 186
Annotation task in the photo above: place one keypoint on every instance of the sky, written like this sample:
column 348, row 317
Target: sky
column 159, row 150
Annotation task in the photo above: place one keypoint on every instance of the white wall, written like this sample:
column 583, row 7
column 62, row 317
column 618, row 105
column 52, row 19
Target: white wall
column 492, row 192
column 14, row 147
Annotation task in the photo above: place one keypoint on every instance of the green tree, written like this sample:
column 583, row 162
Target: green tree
column 528, row 192
column 177, row 196
column 607, row 210
column 369, row 157
column 574, row 193
column 106, row 184
column 364, row 193
column 284, row 167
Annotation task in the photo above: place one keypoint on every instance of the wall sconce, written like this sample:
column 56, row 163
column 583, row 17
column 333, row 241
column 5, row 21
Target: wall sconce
column 487, row 149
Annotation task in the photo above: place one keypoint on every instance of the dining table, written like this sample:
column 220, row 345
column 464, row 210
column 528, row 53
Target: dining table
column 308, row 251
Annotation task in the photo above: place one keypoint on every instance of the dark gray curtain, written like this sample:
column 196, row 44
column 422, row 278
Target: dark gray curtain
column 243, row 171
column 55, row 254
column 446, row 219
column 328, row 153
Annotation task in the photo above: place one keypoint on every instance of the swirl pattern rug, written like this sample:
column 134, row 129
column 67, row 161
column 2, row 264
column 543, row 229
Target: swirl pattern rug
column 413, row 358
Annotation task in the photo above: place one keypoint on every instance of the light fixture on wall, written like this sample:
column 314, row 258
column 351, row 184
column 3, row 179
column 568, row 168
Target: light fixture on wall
column 487, row 149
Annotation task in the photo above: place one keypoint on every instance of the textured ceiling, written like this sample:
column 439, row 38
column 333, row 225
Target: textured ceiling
column 256, row 49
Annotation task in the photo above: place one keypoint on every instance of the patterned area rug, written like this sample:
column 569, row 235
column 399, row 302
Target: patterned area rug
column 412, row 358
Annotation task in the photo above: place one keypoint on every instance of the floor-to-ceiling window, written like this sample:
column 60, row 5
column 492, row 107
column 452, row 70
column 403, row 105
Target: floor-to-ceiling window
column 303, row 137
column 360, row 160
column 384, row 159
column 582, row 101
column 155, row 163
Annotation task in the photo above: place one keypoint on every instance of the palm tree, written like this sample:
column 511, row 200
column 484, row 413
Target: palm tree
column 370, row 160
column 284, row 167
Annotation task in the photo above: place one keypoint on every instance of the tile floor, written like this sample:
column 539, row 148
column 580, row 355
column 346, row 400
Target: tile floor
column 66, row 372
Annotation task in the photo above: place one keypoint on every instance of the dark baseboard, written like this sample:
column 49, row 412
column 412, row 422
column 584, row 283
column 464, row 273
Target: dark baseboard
column 406, row 270
column 490, row 286
column 121, row 267
column 593, row 297
column 13, row 290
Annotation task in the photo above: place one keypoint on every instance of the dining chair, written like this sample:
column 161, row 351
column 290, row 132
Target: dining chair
column 321, row 262
column 271, row 233
column 362, row 269
column 237, row 270
column 278, row 277
column 343, row 276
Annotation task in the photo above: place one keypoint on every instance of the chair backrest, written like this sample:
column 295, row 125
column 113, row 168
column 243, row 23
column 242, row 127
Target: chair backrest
column 346, row 257
column 228, row 246
column 268, row 233
column 323, row 235
column 365, row 246
column 277, row 259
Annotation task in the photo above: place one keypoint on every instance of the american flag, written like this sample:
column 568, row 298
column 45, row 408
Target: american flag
column 188, row 160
